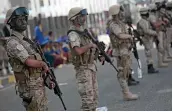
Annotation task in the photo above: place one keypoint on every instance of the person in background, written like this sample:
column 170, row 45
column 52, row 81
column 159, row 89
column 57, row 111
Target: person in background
column 61, row 56
column 121, row 42
column 51, row 54
column 51, row 36
column 39, row 37
column 4, row 60
column 45, row 45
column 67, row 53
column 148, row 36
column 65, row 47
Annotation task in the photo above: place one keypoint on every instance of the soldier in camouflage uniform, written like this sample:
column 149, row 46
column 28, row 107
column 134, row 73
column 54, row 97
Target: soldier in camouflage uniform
column 131, row 80
column 6, row 70
column 122, row 44
column 155, row 24
column 163, row 38
column 3, row 59
column 148, row 35
column 169, row 27
column 27, row 64
column 83, row 55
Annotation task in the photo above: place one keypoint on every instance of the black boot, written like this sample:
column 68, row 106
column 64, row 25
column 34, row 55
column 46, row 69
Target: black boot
column 171, row 44
column 151, row 69
column 132, row 81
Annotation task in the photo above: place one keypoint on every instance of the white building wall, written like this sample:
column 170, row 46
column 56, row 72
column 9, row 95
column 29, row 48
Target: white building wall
column 62, row 7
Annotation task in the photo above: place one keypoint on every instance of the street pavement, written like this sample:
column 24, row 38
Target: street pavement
column 155, row 90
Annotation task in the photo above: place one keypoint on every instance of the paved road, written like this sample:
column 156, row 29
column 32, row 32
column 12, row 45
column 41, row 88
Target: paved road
column 155, row 90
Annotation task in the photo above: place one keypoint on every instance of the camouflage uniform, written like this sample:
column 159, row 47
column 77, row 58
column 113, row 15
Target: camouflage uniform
column 29, row 81
column 169, row 29
column 3, row 56
column 122, row 47
column 148, row 35
column 3, row 59
column 153, row 21
column 147, row 39
column 85, row 70
column 163, row 39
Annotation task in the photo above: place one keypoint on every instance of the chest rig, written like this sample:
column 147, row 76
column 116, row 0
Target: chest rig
column 115, row 40
column 85, row 58
column 21, row 71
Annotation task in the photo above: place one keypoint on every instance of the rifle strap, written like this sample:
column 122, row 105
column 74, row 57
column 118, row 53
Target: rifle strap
column 20, row 41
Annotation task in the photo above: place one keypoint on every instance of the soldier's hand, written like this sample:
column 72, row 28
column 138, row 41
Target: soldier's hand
column 45, row 68
column 51, row 84
column 163, row 23
column 91, row 45
column 165, row 20
column 102, row 59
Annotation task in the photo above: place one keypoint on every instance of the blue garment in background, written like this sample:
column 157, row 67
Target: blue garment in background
column 65, row 49
column 51, row 52
column 108, row 32
column 44, row 42
column 38, row 34
column 58, row 52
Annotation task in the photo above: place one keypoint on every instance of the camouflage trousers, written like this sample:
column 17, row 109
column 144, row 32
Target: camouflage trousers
column 148, row 46
column 160, row 45
column 124, row 68
column 88, row 89
column 169, row 34
column 167, row 41
column 33, row 95
column 163, row 46
column 3, row 58
column 160, row 48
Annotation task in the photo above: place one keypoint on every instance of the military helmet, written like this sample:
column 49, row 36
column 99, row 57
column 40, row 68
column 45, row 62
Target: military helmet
column 76, row 11
column 16, row 11
column 114, row 10
column 144, row 10
column 152, row 7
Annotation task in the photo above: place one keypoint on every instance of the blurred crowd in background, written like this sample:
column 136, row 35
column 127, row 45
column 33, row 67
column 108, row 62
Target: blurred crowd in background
column 49, row 27
column 56, row 51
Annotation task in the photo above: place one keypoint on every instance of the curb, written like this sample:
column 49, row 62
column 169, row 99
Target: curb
column 6, row 80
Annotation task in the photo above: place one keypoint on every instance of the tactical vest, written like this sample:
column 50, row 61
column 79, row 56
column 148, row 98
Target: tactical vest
column 85, row 58
column 116, row 41
column 161, row 27
column 22, row 72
